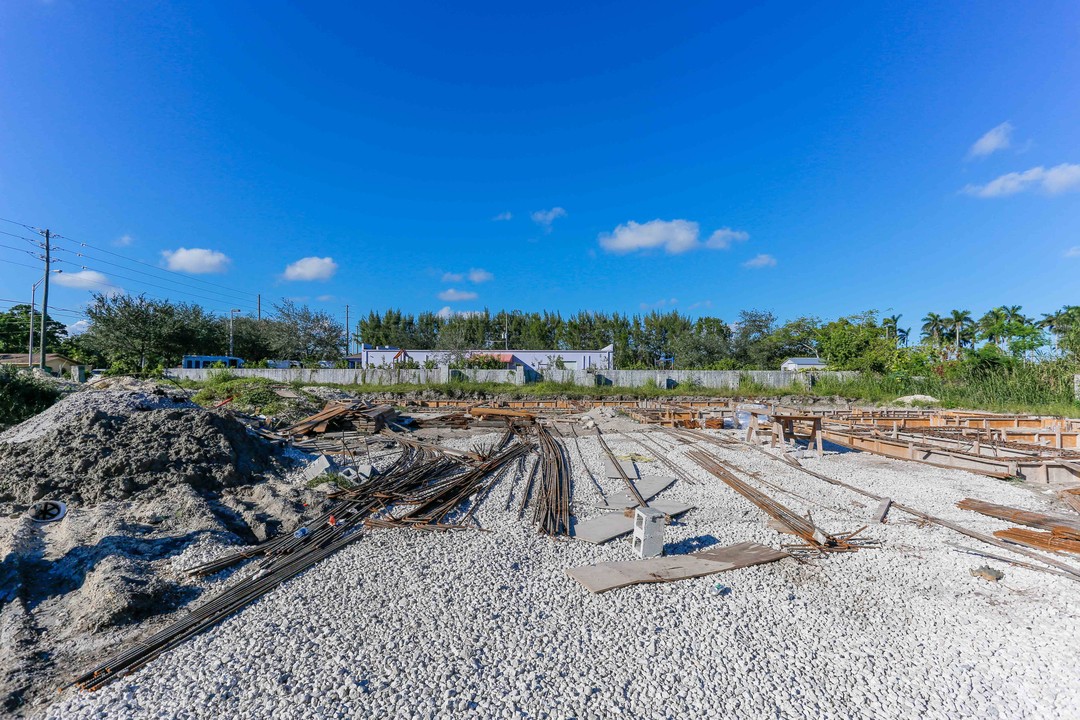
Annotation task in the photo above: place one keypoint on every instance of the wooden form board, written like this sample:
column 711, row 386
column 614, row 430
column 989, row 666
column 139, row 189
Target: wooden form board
column 612, row 575
column 648, row 486
column 611, row 525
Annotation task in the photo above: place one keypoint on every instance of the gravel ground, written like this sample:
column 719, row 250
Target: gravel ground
column 412, row 624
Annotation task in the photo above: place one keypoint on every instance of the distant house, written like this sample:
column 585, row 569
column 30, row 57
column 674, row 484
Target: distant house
column 803, row 364
column 57, row 364
column 536, row 360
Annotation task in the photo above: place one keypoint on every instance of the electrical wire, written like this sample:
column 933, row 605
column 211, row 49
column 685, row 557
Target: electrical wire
column 224, row 296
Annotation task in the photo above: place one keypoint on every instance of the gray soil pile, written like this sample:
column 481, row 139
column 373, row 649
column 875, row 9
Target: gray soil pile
column 97, row 456
column 154, row 485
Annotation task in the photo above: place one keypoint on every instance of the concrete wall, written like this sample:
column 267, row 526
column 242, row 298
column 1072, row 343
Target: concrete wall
column 374, row 376
column 671, row 379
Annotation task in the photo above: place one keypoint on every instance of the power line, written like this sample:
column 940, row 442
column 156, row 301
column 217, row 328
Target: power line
column 224, row 296
column 250, row 308
column 155, row 267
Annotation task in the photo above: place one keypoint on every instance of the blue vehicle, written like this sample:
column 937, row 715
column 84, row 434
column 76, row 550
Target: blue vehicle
column 198, row 362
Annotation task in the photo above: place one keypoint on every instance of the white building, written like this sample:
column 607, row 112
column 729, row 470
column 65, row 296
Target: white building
column 536, row 360
column 803, row 364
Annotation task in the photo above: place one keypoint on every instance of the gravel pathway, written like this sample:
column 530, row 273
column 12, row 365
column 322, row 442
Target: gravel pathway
column 423, row 625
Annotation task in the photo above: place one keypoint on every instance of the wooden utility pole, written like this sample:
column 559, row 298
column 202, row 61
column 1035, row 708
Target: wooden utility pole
column 44, row 297
column 348, row 340
column 258, row 306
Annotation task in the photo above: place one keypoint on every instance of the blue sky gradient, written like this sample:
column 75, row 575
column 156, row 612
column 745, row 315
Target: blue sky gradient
column 837, row 140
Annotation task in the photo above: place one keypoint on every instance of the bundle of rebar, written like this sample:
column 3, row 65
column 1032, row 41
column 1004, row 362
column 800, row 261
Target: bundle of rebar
column 551, row 510
column 815, row 538
column 436, row 484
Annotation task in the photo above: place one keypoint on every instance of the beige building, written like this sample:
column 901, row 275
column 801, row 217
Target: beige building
column 57, row 364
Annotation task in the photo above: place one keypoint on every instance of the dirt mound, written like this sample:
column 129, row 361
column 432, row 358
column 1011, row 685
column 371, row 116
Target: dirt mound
column 96, row 456
column 154, row 485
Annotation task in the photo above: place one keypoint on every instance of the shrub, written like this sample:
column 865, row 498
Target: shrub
column 22, row 395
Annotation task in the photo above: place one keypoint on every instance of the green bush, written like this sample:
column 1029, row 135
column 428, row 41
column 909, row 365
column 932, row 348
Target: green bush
column 22, row 395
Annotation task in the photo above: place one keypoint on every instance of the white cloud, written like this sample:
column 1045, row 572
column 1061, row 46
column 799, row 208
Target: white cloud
column 760, row 261
column 452, row 295
column 724, row 237
column 325, row 298
column 662, row 302
column 78, row 328
column 674, row 236
column 1072, row 252
column 1052, row 181
column 445, row 313
column 84, row 280
column 453, row 277
column 503, row 216
column 479, row 275
column 311, row 268
column 545, row 218
column 997, row 139
column 123, row 241
column 196, row 260
column 702, row 304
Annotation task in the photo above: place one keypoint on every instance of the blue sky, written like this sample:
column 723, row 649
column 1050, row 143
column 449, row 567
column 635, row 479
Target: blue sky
column 803, row 157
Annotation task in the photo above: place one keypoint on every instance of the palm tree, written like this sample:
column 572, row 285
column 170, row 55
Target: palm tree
column 934, row 327
column 959, row 321
column 889, row 324
column 992, row 325
column 902, row 335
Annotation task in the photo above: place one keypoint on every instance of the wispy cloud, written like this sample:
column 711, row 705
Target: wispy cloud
column 503, row 216
column 87, row 280
column 197, row 261
column 311, row 268
column 996, row 139
column 1072, row 252
column 662, row 302
column 123, row 241
column 1058, row 179
column 475, row 276
column 723, row 238
column 454, row 295
column 544, row 218
column 760, row 261
column 672, row 236
column 701, row 304
column 445, row 313
column 325, row 298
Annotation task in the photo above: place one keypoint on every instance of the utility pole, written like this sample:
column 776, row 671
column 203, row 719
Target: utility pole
column 232, row 314
column 258, row 305
column 33, row 308
column 348, row 340
column 44, row 298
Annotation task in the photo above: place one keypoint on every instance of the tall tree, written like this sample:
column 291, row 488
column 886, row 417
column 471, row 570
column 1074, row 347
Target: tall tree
column 960, row 321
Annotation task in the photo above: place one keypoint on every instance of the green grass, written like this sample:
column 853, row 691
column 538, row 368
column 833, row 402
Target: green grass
column 1023, row 388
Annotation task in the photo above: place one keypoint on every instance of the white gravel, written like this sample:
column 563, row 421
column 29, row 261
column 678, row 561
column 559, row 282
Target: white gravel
column 412, row 624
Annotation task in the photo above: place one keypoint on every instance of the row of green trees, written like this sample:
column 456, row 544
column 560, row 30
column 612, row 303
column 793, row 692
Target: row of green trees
column 136, row 333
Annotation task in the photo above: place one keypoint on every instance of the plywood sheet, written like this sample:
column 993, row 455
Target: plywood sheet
column 648, row 486
column 612, row 575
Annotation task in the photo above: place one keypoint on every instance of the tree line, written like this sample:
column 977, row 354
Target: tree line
column 136, row 334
